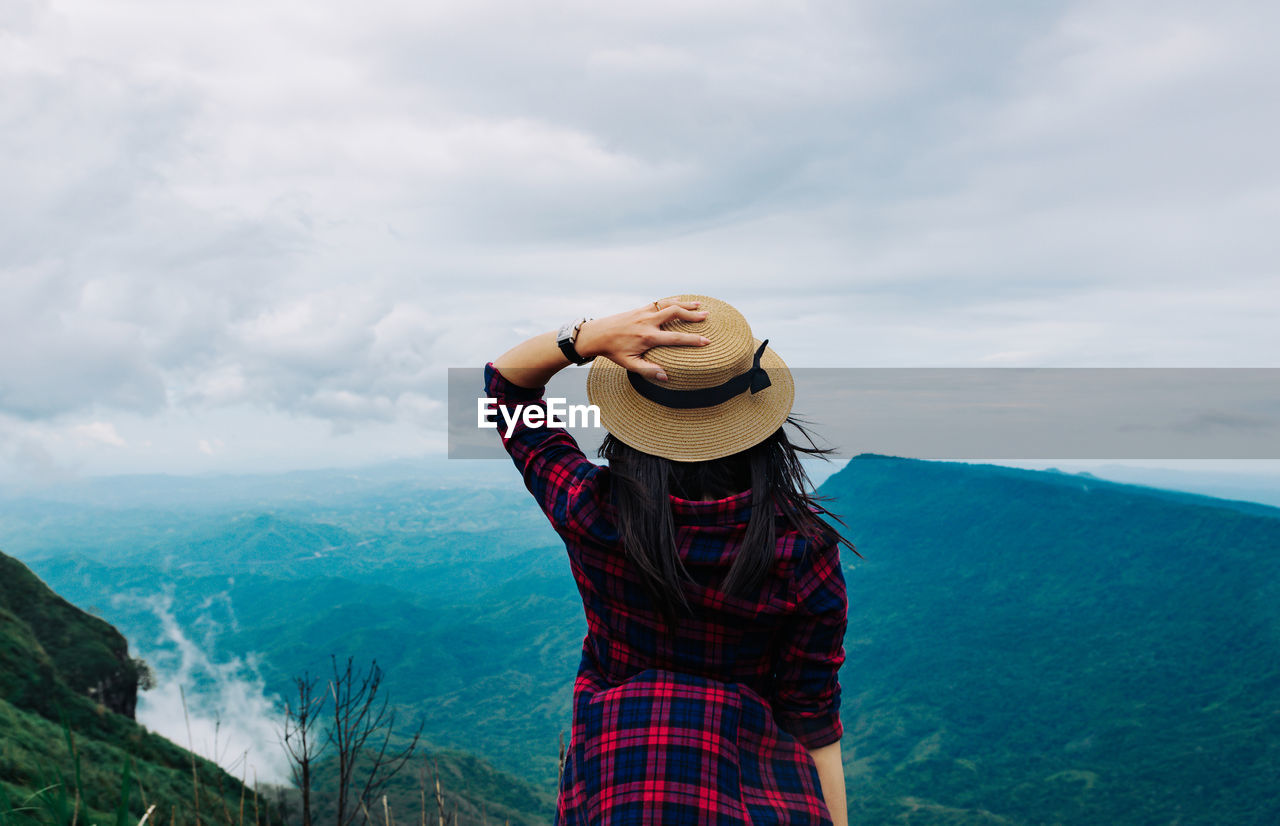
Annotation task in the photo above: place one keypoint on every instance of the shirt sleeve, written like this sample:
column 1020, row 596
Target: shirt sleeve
column 555, row 470
column 807, row 684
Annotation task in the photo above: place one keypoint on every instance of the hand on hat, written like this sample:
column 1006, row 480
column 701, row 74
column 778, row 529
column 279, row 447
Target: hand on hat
column 624, row 338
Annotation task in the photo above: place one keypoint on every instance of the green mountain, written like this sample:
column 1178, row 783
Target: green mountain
column 67, row 694
column 473, row 617
column 1024, row 647
column 60, row 665
column 1033, row 647
column 53, row 650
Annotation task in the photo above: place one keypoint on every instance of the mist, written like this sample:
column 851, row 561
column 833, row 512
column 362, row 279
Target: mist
column 219, row 710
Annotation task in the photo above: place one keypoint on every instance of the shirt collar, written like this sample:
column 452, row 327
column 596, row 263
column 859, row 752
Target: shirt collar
column 729, row 510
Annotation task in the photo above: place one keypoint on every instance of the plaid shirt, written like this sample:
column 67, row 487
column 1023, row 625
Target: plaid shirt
column 708, row 723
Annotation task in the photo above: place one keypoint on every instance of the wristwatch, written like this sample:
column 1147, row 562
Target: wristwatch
column 568, row 336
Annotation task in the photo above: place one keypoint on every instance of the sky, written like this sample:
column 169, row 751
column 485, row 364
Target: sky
column 253, row 236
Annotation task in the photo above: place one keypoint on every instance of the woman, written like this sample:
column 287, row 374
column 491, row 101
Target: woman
column 716, row 609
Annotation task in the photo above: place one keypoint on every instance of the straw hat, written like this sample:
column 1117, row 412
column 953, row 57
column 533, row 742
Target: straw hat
column 713, row 404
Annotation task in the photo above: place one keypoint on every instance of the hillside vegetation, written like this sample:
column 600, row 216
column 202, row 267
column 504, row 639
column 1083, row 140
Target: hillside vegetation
column 67, row 694
column 461, row 596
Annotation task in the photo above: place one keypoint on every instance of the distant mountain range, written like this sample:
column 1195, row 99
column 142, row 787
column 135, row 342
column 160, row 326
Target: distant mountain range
column 1024, row 647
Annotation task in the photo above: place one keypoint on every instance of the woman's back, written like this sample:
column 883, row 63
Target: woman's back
column 707, row 690
column 731, row 639
column 708, row 720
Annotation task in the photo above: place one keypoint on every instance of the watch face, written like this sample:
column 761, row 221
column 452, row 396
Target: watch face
column 567, row 337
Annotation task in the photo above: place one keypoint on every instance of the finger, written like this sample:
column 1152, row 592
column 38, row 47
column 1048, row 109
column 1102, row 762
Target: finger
column 664, row 338
column 681, row 312
column 664, row 303
column 645, row 368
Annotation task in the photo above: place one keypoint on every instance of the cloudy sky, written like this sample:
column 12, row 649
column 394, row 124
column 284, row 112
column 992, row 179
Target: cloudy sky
column 254, row 234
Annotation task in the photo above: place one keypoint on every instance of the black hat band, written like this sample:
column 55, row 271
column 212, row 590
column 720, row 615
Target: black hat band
column 755, row 380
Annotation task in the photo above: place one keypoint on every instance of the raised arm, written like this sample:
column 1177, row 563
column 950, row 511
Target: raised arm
column 623, row 338
column 554, row 468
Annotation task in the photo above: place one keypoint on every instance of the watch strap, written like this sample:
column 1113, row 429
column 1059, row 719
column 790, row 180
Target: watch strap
column 568, row 337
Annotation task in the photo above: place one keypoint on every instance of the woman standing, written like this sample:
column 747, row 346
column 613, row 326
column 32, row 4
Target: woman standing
column 716, row 608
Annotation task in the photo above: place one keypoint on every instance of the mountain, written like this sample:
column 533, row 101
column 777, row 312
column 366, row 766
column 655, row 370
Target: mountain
column 68, row 688
column 59, row 663
column 460, row 594
column 73, row 653
column 1034, row 647
column 1024, row 647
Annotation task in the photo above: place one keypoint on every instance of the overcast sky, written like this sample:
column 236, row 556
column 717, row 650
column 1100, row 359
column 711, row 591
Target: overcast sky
column 252, row 235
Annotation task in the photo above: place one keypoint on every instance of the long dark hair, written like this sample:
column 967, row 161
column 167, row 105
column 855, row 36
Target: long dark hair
column 641, row 483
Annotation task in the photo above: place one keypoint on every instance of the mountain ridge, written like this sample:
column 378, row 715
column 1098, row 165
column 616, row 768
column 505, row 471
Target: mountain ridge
column 1048, row 649
column 1085, row 479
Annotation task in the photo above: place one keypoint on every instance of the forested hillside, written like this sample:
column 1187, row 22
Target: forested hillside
column 1032, row 647
column 67, row 693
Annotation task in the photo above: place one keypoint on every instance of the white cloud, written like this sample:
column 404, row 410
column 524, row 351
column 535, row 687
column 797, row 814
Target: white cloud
column 219, row 710
column 281, row 208
column 209, row 447
column 103, row 433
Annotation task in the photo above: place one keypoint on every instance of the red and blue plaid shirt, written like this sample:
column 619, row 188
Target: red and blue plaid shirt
column 709, row 723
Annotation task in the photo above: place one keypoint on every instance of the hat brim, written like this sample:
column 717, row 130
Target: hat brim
column 696, row 434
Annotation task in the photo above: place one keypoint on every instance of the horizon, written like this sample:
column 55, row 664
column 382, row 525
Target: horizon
column 1249, row 480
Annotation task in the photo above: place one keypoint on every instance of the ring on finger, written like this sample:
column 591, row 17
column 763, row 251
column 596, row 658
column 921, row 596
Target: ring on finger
column 656, row 307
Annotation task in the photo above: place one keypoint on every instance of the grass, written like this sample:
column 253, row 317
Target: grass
column 51, row 776
column 61, row 802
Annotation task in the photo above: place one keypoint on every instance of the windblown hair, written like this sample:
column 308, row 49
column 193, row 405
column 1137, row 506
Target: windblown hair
column 641, row 483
